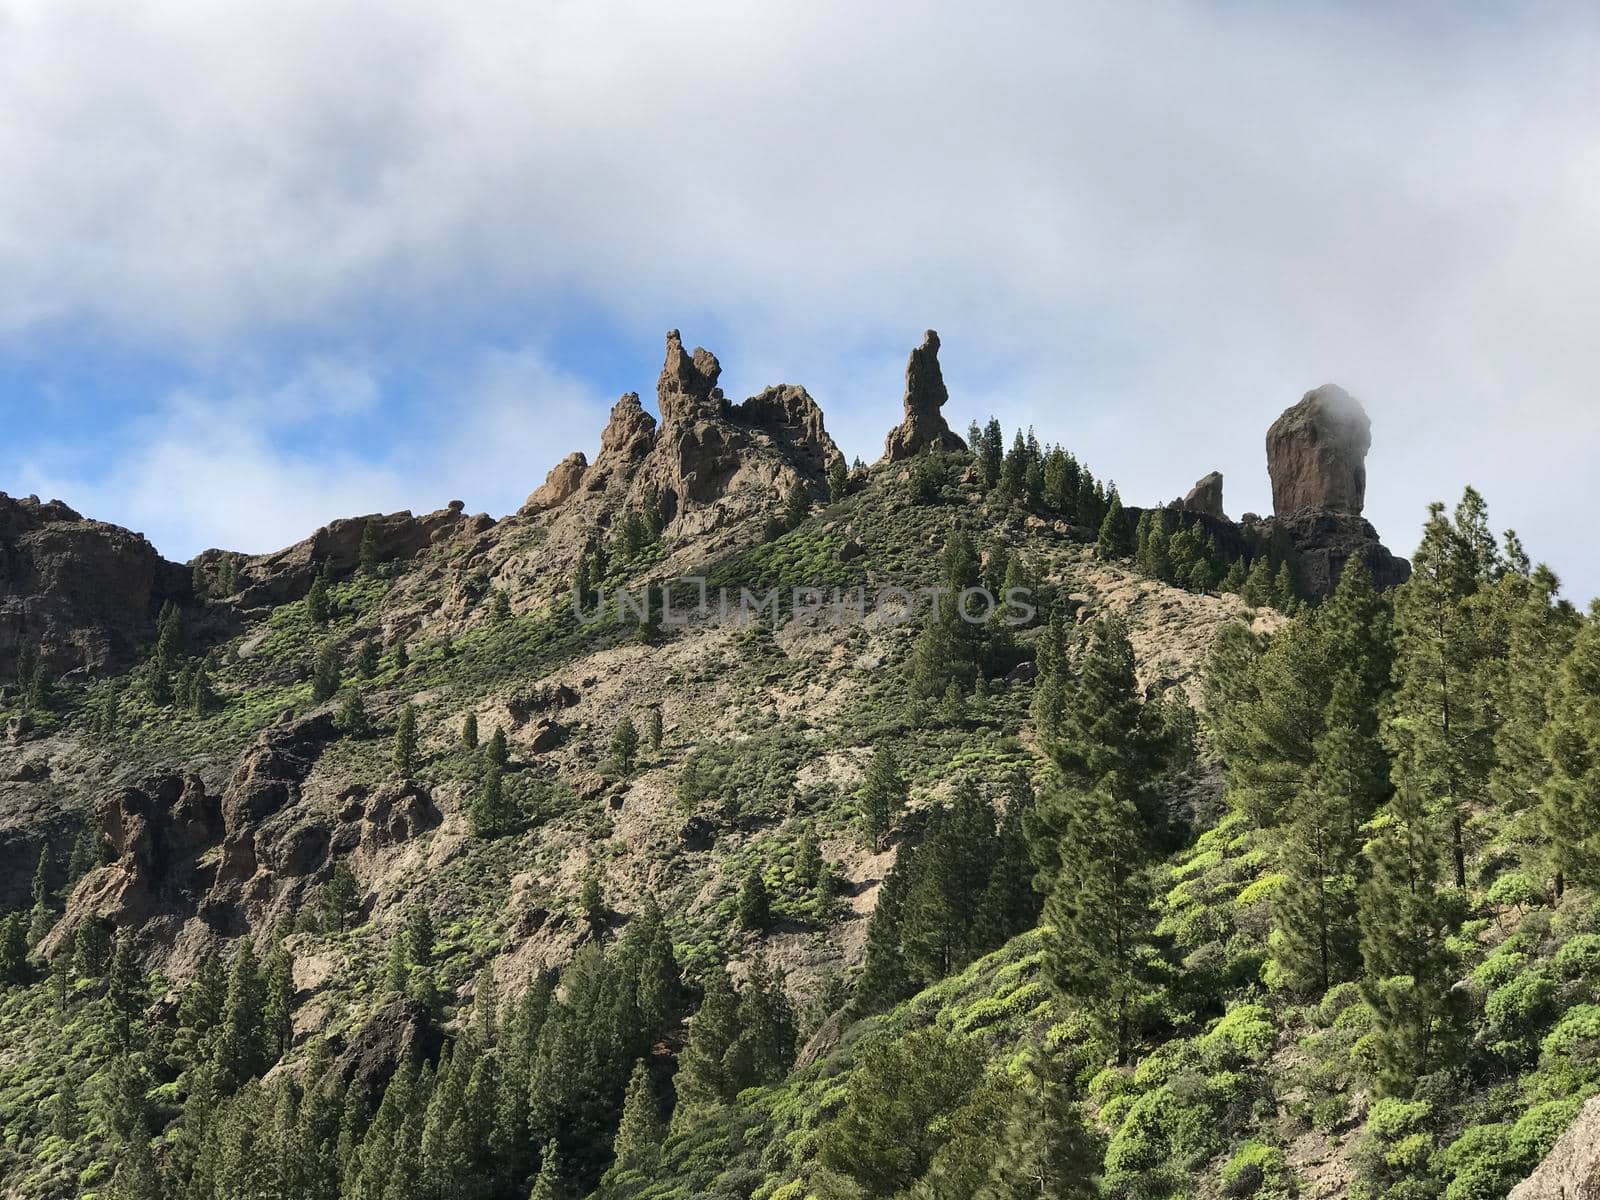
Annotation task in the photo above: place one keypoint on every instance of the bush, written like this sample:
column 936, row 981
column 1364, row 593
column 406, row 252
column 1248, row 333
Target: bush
column 1537, row 1130
column 1580, row 957
column 1338, row 998
column 1245, row 1034
column 1520, row 1011
column 1482, row 1163
column 1252, row 1166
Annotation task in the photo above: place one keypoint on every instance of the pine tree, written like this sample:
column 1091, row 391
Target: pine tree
column 991, row 455
column 1570, row 797
column 405, row 742
column 548, row 1186
column 241, row 1051
column 701, row 1076
column 402, row 658
column 592, row 903
column 13, row 948
column 882, row 795
column 1442, row 734
column 753, row 910
column 500, row 606
column 1092, row 842
column 277, row 1014
column 325, row 673
column 1044, row 1148
column 796, row 505
column 370, row 554
column 469, row 732
column 352, row 719
column 838, row 480
column 639, row 1139
column 368, row 658
column 1114, row 541
column 126, row 992
column 653, row 730
column 91, row 950
column 764, row 1050
column 886, row 978
column 489, row 811
column 1539, row 634
column 953, row 864
column 499, row 748
column 624, row 746
column 318, row 606
column 1407, row 915
column 1316, row 942
column 339, row 901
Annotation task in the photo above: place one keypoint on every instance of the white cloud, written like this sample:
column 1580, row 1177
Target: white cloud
column 1143, row 228
column 244, row 471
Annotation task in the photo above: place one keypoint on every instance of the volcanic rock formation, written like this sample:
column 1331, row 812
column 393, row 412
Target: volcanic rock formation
column 81, row 594
column 1205, row 497
column 1316, row 456
column 1317, row 453
column 924, row 424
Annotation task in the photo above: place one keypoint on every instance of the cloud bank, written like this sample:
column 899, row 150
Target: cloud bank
column 1143, row 229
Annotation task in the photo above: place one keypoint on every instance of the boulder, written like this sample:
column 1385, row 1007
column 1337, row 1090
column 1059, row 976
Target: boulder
column 545, row 735
column 923, row 425
column 401, row 1031
column 1205, row 497
column 1317, row 453
column 559, row 485
column 397, row 813
column 1571, row 1171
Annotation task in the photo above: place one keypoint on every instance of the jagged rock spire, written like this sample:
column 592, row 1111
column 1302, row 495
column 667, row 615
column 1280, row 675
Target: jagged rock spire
column 926, row 394
column 687, row 387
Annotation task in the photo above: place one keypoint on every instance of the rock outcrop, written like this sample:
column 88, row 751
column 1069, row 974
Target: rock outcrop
column 1205, row 497
column 160, row 833
column 558, row 487
column 1571, row 1171
column 707, row 463
column 687, row 390
column 285, row 576
column 924, row 425
column 1325, row 539
column 1317, row 454
column 82, row 595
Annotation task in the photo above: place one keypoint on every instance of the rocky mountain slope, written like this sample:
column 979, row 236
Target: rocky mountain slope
column 208, row 755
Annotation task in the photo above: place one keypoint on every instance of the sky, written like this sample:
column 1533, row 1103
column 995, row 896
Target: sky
column 267, row 264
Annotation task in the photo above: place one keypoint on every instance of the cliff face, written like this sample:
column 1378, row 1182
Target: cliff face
column 81, row 594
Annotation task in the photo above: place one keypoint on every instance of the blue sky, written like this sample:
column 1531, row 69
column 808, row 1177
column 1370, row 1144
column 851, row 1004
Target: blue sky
column 267, row 265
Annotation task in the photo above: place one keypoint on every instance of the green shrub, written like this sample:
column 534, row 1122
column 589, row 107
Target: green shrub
column 1245, row 1034
column 1537, row 1130
column 1482, row 1163
column 1253, row 1168
column 1338, row 998
column 1580, row 957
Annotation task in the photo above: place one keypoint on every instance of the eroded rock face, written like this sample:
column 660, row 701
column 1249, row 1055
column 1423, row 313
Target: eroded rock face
column 924, row 425
column 1206, row 497
column 559, row 486
column 1325, row 539
column 82, row 594
column 159, row 832
column 1571, row 1171
column 285, row 576
column 793, row 419
column 1317, row 453
column 402, row 1031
